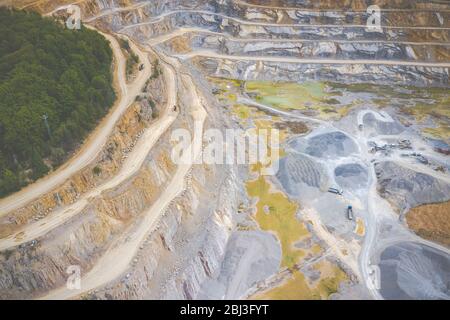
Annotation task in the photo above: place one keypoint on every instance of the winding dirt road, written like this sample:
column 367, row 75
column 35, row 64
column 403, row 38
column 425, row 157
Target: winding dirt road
column 116, row 261
column 97, row 139
column 189, row 30
column 251, row 5
column 161, row 17
column 211, row 54
column 130, row 167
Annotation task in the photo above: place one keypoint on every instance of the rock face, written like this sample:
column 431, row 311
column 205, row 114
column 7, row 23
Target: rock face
column 172, row 266
column 184, row 250
column 40, row 265
column 239, row 29
column 281, row 71
column 109, row 161
column 406, row 188
column 322, row 48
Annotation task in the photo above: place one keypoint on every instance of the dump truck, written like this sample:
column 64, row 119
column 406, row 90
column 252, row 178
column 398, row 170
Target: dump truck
column 350, row 213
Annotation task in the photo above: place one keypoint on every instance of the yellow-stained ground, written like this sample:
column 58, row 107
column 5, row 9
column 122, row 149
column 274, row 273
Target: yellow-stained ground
column 442, row 131
column 308, row 96
column 414, row 105
column 241, row 111
column 360, row 229
column 322, row 99
column 297, row 287
column 276, row 213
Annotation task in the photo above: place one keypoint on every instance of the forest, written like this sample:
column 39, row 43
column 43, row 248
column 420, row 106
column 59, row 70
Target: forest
column 55, row 85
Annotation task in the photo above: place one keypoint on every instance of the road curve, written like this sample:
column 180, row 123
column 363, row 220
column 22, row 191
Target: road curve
column 159, row 18
column 251, row 102
column 96, row 140
column 117, row 260
column 131, row 166
column 182, row 31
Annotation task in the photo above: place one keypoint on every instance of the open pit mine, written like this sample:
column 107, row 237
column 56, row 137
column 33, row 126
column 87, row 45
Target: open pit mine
column 357, row 207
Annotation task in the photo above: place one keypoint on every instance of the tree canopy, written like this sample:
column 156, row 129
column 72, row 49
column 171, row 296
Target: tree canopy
column 55, row 84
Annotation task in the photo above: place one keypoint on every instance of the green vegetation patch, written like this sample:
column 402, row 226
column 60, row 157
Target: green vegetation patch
column 55, row 84
column 287, row 95
column 315, row 96
column 132, row 58
column 297, row 287
column 335, row 100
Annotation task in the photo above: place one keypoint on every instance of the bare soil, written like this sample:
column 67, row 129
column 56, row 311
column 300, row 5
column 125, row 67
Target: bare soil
column 431, row 222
